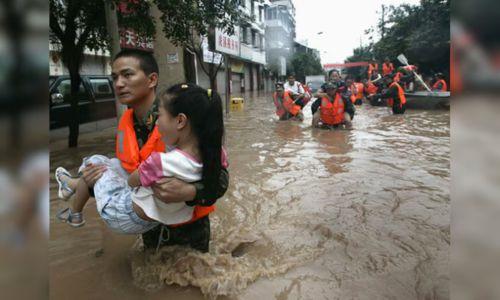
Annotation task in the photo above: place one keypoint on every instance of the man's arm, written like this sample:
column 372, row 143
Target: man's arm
column 319, row 94
column 170, row 190
column 390, row 93
column 203, row 198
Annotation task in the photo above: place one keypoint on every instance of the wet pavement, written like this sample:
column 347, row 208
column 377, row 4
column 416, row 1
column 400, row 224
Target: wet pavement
column 310, row 214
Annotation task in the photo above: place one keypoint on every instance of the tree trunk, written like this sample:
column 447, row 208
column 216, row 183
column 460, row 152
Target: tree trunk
column 213, row 77
column 74, row 124
column 113, row 31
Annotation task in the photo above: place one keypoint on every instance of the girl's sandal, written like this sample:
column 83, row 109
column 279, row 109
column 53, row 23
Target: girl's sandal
column 64, row 191
column 73, row 219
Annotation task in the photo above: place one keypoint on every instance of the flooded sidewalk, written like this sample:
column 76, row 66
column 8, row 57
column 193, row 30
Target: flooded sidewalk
column 309, row 214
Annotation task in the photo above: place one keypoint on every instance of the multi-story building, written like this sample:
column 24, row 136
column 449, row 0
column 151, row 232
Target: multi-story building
column 302, row 47
column 245, row 50
column 280, row 34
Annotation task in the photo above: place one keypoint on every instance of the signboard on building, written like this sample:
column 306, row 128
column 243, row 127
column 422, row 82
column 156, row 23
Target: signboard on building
column 129, row 38
column 172, row 58
column 226, row 43
column 209, row 56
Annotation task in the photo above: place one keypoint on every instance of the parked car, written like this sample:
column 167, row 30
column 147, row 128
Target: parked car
column 96, row 99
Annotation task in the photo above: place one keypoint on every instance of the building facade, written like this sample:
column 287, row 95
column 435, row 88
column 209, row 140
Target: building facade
column 280, row 34
column 245, row 51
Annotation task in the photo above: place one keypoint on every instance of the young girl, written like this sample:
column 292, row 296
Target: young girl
column 191, row 125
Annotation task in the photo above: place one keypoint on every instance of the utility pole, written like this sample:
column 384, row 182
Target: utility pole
column 114, row 42
column 228, row 82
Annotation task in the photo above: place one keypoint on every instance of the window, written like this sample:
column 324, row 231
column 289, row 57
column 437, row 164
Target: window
column 244, row 34
column 254, row 38
column 101, row 88
column 64, row 88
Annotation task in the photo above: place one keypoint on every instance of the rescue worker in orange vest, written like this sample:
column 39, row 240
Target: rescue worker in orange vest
column 336, row 79
column 360, row 90
column 285, row 105
column 296, row 91
column 135, row 77
column 440, row 84
column 335, row 111
column 352, row 89
column 387, row 67
column 395, row 96
column 404, row 76
column 371, row 67
column 369, row 87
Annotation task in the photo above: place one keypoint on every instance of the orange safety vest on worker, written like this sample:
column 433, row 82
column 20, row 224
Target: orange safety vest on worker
column 371, row 67
column 444, row 86
column 130, row 156
column 401, row 94
column 397, row 77
column 288, row 105
column 332, row 113
column 353, row 91
column 371, row 89
column 359, row 89
column 308, row 94
column 387, row 68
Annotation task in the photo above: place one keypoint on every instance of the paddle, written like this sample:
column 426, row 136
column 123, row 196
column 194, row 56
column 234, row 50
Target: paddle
column 402, row 58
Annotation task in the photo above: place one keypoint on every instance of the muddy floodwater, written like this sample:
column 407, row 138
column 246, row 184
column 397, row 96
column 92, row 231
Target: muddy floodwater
column 310, row 214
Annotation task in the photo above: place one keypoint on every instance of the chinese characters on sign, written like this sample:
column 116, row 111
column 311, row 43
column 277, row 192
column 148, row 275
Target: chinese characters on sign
column 225, row 43
column 129, row 39
column 209, row 56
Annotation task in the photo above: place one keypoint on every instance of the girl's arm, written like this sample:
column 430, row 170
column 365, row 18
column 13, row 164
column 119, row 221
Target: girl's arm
column 133, row 179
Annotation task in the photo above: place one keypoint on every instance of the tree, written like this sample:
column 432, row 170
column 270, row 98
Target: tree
column 303, row 64
column 185, row 22
column 76, row 25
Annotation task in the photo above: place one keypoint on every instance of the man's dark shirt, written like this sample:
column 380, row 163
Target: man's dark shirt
column 391, row 92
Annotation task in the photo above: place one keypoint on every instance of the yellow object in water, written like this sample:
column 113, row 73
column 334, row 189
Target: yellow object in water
column 236, row 103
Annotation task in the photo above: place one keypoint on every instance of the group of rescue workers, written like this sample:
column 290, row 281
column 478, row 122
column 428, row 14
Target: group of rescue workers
column 335, row 100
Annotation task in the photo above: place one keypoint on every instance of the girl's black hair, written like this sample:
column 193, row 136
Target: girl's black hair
column 204, row 112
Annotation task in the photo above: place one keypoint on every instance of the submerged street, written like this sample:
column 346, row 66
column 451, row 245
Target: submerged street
column 309, row 214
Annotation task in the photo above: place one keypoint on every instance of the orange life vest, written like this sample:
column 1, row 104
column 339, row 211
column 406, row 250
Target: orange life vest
column 360, row 89
column 353, row 93
column 130, row 156
column 444, row 86
column 288, row 105
column 371, row 88
column 387, row 68
column 332, row 113
column 127, row 149
column 397, row 77
column 401, row 95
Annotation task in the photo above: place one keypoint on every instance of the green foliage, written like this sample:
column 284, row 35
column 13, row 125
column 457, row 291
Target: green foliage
column 185, row 19
column 79, row 24
column 421, row 32
column 303, row 64
column 76, row 24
